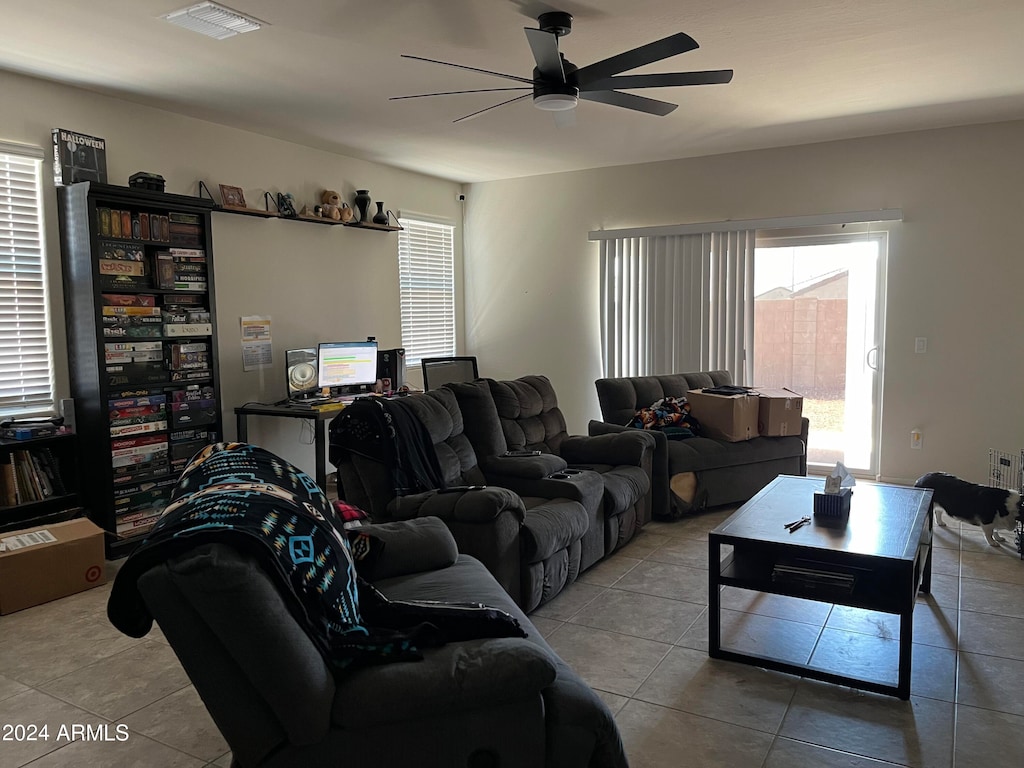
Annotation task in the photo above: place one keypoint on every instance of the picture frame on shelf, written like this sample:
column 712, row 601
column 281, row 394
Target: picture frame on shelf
column 232, row 196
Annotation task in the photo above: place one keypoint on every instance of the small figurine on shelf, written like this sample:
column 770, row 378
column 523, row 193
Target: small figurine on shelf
column 333, row 208
column 286, row 205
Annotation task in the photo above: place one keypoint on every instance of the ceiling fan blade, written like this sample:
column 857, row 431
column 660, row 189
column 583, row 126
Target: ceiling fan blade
column 645, row 54
column 629, row 101
column 710, row 77
column 488, row 109
column 455, row 93
column 545, row 52
column 471, row 69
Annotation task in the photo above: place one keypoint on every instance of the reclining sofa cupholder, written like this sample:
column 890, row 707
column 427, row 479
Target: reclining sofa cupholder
column 565, row 474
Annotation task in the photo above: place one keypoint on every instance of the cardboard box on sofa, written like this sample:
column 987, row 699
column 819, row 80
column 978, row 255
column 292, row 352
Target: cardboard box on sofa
column 50, row 561
column 779, row 411
column 731, row 418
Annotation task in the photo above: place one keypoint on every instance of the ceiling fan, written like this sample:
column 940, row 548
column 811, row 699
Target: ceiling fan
column 557, row 84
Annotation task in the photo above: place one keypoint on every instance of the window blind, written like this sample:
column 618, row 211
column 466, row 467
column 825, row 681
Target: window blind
column 678, row 303
column 26, row 373
column 426, row 278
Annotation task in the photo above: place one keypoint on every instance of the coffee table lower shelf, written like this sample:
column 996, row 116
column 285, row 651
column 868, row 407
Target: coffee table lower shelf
column 744, row 569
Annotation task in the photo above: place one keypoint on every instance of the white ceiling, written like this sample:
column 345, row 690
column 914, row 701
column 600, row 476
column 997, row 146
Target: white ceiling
column 322, row 72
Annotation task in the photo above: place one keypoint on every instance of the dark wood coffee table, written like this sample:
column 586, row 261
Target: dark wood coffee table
column 877, row 560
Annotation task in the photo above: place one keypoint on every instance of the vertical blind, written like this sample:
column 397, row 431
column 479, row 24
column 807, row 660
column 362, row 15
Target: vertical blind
column 678, row 303
column 426, row 279
column 26, row 373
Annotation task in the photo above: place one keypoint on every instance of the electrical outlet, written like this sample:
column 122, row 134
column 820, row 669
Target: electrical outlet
column 915, row 439
column 921, row 345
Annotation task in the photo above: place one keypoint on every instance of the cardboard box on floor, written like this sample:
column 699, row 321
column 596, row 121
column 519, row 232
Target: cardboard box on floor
column 731, row 418
column 50, row 561
column 779, row 411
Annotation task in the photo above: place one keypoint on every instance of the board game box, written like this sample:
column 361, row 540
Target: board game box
column 78, row 157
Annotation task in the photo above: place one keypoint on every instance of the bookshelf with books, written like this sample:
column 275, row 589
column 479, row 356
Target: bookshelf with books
column 139, row 301
column 38, row 481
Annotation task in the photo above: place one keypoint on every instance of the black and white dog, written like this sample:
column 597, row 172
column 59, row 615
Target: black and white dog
column 991, row 508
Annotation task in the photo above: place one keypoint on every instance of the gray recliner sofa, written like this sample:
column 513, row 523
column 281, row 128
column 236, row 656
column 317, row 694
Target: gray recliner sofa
column 528, row 537
column 531, row 420
column 719, row 472
column 507, row 702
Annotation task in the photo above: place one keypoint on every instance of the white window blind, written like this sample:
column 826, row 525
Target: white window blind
column 26, row 373
column 678, row 303
column 426, row 278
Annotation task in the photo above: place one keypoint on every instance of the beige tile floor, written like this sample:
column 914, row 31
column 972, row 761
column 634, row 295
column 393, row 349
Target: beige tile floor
column 635, row 627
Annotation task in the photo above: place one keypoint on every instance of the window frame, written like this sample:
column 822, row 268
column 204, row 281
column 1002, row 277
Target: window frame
column 429, row 241
column 23, row 267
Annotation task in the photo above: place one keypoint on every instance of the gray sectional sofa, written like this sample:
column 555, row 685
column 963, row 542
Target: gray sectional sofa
column 488, row 702
column 718, row 472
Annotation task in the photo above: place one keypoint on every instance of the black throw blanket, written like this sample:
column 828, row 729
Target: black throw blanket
column 247, row 497
column 387, row 432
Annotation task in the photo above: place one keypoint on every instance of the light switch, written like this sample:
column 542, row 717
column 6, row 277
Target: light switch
column 921, row 345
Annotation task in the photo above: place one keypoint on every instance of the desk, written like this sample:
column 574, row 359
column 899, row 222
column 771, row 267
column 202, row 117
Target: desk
column 288, row 411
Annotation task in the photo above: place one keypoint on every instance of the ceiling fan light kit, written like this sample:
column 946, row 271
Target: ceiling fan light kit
column 557, row 83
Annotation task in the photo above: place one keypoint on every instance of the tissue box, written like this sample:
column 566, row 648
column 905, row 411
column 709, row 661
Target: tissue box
column 833, row 505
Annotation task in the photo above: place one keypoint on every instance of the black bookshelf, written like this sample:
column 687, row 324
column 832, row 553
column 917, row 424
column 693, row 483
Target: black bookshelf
column 141, row 323
column 38, row 481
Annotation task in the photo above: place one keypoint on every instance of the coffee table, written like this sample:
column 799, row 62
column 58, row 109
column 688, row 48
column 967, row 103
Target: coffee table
column 877, row 560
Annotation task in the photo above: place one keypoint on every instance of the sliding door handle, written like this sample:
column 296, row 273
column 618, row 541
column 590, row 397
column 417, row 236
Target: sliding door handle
column 872, row 358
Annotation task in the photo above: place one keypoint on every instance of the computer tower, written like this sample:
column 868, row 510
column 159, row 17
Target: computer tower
column 391, row 366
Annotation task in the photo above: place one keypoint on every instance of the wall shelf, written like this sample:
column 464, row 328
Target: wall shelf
column 248, row 211
column 371, row 225
column 268, row 198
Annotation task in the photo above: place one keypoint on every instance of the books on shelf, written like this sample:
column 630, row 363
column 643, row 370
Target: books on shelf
column 28, row 475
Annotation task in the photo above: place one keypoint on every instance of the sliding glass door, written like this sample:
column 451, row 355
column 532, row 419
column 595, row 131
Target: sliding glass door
column 818, row 316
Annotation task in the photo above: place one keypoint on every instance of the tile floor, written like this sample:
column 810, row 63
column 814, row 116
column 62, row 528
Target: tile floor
column 635, row 627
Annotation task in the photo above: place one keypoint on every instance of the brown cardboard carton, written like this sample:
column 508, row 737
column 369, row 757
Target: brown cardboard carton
column 731, row 418
column 779, row 411
column 50, row 561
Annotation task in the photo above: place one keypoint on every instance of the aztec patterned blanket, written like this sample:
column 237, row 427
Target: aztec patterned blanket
column 247, row 497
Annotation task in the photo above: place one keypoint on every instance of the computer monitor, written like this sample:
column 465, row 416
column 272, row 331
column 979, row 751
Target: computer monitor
column 346, row 365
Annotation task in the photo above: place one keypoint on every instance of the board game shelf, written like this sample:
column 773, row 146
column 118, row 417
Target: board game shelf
column 141, row 324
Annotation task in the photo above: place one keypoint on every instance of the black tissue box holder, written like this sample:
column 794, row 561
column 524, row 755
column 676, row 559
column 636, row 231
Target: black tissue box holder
column 833, row 506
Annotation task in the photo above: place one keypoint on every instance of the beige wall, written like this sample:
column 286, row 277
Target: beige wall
column 956, row 270
column 318, row 283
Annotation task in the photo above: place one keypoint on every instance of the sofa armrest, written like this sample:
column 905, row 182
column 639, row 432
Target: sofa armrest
column 613, row 448
column 661, row 502
column 459, row 677
column 484, row 522
column 408, row 546
column 580, row 485
column 479, row 505
column 530, row 467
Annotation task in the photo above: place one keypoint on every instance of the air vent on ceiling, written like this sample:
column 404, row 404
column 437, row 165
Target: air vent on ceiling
column 213, row 20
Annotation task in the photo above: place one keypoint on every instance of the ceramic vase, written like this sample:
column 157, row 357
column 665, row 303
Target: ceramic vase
column 380, row 217
column 362, row 203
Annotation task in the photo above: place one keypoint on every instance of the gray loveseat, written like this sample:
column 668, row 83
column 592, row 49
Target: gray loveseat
column 494, row 702
column 715, row 472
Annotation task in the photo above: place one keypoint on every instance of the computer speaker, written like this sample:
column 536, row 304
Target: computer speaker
column 391, row 366
column 300, row 367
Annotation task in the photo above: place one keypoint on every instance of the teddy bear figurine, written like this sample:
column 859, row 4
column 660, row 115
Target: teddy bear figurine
column 333, row 208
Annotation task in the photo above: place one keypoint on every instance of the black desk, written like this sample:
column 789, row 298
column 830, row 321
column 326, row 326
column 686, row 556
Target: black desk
column 317, row 415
